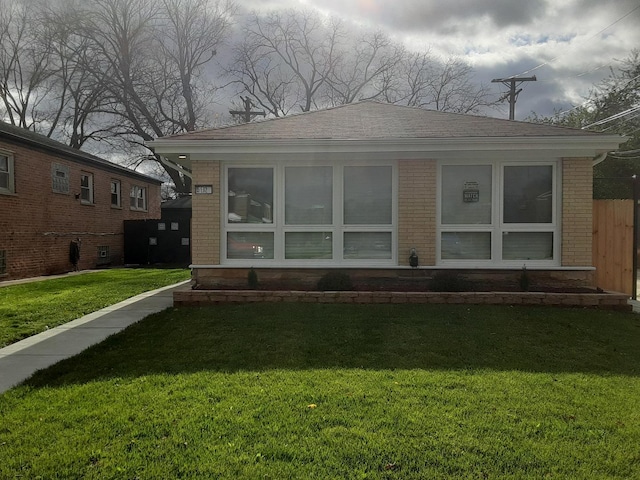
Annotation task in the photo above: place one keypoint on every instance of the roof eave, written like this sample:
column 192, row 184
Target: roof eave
column 578, row 145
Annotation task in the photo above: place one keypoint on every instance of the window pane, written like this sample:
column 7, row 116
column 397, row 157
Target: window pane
column 4, row 180
column 249, row 245
column 527, row 194
column 308, row 195
column 372, row 245
column 367, row 195
column 465, row 246
column 4, row 164
column 299, row 245
column 250, row 194
column 527, row 246
column 466, row 194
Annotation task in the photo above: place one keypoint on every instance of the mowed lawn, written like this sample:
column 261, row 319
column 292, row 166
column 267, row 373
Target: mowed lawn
column 30, row 308
column 309, row 391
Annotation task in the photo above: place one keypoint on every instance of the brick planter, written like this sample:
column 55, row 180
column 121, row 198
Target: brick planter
column 609, row 301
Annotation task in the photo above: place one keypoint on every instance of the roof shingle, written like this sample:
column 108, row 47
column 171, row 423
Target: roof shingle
column 375, row 120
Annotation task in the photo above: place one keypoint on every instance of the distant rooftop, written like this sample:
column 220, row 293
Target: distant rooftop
column 27, row 137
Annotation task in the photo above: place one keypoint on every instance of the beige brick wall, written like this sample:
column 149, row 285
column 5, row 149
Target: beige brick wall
column 577, row 205
column 417, row 210
column 206, row 215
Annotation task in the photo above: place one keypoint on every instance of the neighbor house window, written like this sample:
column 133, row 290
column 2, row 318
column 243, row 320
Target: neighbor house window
column 498, row 212
column 7, row 180
column 310, row 213
column 138, row 198
column 116, row 194
column 86, row 187
column 60, row 178
column 3, row 262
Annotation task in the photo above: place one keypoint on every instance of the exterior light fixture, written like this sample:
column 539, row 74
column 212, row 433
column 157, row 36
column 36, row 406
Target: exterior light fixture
column 182, row 157
column 413, row 258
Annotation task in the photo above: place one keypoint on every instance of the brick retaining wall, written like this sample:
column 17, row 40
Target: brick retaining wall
column 610, row 301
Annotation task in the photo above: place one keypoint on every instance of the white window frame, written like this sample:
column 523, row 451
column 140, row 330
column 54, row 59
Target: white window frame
column 10, row 189
column 139, row 196
column 88, row 188
column 498, row 227
column 118, row 187
column 278, row 227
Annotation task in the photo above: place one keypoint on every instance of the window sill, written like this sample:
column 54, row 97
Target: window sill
column 116, row 207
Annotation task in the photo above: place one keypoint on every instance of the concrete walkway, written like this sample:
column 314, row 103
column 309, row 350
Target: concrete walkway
column 22, row 359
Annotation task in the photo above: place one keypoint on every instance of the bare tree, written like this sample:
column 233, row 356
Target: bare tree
column 26, row 64
column 428, row 82
column 149, row 57
column 298, row 59
column 362, row 66
column 286, row 59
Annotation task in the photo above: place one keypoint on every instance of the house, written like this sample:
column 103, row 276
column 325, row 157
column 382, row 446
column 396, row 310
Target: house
column 361, row 187
column 57, row 201
column 166, row 241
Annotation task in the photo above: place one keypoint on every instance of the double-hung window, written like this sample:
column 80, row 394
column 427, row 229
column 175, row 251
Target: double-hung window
column 498, row 213
column 138, row 198
column 7, row 181
column 86, row 187
column 320, row 214
column 116, row 196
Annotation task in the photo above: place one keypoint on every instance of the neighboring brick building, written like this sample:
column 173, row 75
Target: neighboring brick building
column 358, row 187
column 51, row 195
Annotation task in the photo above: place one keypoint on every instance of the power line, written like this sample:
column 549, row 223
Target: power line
column 588, row 39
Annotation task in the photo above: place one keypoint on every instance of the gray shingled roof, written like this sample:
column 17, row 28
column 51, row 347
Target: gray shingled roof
column 374, row 120
column 12, row 133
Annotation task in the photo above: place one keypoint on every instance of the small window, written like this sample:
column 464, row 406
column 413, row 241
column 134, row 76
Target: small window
column 138, row 198
column 7, row 183
column 153, row 241
column 174, row 225
column 86, row 187
column 185, row 241
column 116, row 197
column 104, row 256
column 60, row 178
column 162, row 226
column 3, row 262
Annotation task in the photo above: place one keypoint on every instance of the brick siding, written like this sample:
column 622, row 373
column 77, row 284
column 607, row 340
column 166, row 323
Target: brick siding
column 37, row 224
column 577, row 208
column 206, row 215
column 417, row 210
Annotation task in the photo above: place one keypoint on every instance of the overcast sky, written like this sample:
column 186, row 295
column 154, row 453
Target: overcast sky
column 569, row 45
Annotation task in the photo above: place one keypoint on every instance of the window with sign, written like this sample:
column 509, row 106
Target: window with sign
column 499, row 212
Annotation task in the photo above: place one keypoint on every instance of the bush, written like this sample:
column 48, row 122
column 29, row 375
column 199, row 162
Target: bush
column 525, row 281
column 448, row 282
column 252, row 279
column 335, row 281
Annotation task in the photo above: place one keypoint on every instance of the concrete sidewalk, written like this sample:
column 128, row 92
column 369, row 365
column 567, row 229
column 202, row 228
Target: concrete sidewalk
column 22, row 359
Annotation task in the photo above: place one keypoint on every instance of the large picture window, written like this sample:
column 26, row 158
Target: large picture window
column 498, row 213
column 310, row 213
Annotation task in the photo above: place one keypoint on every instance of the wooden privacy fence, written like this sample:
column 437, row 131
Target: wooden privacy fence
column 613, row 244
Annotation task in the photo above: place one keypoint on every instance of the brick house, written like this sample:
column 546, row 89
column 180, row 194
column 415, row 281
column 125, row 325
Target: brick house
column 360, row 187
column 51, row 195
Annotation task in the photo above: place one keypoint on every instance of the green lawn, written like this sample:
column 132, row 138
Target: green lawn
column 31, row 308
column 311, row 391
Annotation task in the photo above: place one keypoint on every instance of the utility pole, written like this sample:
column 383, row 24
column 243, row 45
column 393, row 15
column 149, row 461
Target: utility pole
column 247, row 113
column 513, row 93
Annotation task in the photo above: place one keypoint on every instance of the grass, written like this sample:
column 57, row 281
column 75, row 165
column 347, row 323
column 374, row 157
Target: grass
column 30, row 308
column 315, row 391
